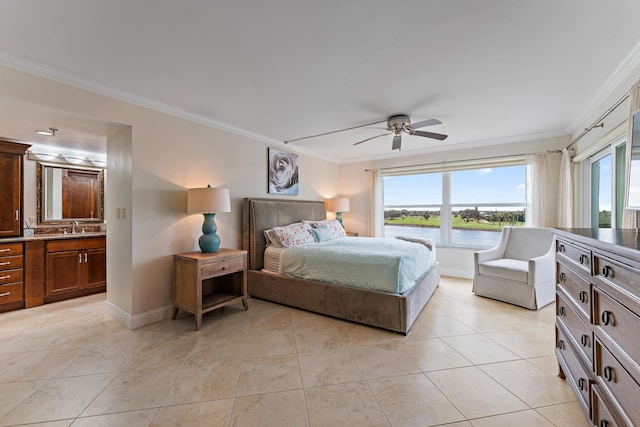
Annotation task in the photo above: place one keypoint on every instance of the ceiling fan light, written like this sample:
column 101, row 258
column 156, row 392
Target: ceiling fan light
column 44, row 132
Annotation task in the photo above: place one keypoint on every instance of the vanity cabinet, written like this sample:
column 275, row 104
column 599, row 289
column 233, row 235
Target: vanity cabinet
column 75, row 267
column 11, row 182
column 597, row 321
column 11, row 276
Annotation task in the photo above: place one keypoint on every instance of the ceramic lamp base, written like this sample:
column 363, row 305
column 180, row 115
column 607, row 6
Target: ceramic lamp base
column 209, row 241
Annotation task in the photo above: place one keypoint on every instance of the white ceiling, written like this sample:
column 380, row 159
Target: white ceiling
column 492, row 71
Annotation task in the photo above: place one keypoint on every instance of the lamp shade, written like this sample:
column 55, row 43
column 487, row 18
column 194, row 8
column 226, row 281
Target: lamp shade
column 208, row 200
column 339, row 204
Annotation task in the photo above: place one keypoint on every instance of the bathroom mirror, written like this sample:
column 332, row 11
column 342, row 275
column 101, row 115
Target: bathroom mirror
column 70, row 193
column 633, row 156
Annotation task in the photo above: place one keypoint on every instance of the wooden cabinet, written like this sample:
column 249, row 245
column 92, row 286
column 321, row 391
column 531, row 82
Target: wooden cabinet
column 598, row 319
column 75, row 267
column 206, row 281
column 11, row 276
column 11, row 181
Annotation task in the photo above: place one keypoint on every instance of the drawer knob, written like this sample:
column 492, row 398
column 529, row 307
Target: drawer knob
column 224, row 267
column 606, row 317
column 561, row 311
column 584, row 340
column 607, row 271
column 581, row 383
column 561, row 248
column 561, row 344
column 561, row 277
column 583, row 296
column 608, row 373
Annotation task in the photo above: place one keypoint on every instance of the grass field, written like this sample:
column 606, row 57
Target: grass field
column 457, row 223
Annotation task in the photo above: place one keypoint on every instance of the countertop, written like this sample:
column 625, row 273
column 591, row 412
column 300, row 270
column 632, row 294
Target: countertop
column 58, row 236
column 626, row 242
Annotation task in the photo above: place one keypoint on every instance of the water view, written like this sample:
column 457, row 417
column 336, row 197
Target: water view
column 473, row 238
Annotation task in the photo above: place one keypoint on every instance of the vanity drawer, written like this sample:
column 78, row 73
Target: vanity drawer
column 618, row 324
column 575, row 255
column 224, row 265
column 11, row 292
column 581, row 335
column 615, row 378
column 577, row 289
column 10, row 276
column 8, row 249
column 10, row 262
column 576, row 374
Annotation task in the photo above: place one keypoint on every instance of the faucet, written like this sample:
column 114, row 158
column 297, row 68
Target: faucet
column 73, row 227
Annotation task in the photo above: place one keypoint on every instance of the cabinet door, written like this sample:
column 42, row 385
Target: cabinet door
column 95, row 267
column 10, row 191
column 64, row 272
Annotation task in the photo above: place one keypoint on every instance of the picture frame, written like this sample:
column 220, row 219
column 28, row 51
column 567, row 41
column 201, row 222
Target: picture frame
column 282, row 172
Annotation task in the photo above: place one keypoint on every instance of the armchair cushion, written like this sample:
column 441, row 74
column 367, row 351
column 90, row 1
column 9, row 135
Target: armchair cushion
column 505, row 268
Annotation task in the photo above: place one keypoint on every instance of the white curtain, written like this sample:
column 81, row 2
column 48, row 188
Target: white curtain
column 565, row 192
column 628, row 216
column 376, row 222
column 541, row 194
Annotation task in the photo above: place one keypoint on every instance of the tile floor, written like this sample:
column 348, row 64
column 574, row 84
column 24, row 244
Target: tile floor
column 468, row 361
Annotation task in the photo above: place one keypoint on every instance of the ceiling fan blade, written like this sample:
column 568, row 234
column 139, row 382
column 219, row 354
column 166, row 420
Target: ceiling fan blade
column 397, row 140
column 369, row 139
column 424, row 123
column 432, row 135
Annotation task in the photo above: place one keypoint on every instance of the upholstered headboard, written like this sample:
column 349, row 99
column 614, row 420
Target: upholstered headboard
column 259, row 215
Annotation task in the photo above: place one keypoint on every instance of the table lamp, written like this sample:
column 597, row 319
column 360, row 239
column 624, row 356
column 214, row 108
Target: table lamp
column 208, row 201
column 338, row 205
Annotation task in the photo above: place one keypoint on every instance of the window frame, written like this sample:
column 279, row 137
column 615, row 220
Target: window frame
column 610, row 149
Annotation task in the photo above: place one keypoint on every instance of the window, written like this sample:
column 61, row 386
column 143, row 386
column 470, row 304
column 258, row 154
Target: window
column 466, row 208
column 607, row 187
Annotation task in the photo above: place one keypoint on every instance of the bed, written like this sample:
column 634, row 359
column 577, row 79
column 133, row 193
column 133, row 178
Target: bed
column 395, row 312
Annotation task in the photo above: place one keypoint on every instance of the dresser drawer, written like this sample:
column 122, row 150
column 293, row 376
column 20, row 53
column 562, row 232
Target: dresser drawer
column 10, row 262
column 7, row 249
column 575, row 255
column 577, row 289
column 11, row 292
column 10, row 276
column 614, row 377
column 580, row 334
column 621, row 278
column 577, row 375
column 223, row 265
column 601, row 415
column 618, row 324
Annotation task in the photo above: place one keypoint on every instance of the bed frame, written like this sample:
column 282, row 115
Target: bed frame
column 389, row 311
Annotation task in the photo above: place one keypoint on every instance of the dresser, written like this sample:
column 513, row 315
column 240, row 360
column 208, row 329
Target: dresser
column 598, row 321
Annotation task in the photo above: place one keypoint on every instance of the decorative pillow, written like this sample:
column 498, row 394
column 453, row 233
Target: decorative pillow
column 272, row 238
column 321, row 234
column 294, row 234
column 335, row 228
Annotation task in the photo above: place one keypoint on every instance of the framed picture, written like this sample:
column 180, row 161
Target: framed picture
column 283, row 172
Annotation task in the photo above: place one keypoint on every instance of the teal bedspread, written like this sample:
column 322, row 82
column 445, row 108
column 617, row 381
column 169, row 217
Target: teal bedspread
column 386, row 265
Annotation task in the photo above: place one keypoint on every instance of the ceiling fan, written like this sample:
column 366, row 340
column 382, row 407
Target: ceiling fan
column 396, row 125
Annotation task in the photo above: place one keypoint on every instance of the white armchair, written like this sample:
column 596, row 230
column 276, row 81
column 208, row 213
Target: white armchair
column 520, row 270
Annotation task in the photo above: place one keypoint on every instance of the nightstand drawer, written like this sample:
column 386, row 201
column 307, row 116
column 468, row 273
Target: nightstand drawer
column 223, row 265
column 11, row 293
column 10, row 276
column 10, row 262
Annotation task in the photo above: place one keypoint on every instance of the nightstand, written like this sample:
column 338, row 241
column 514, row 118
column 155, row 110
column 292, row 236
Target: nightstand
column 206, row 281
column 350, row 234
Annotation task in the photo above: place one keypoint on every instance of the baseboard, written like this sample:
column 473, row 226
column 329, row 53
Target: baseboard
column 138, row 320
column 454, row 272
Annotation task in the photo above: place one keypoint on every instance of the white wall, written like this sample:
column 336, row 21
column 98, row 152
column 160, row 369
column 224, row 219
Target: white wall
column 356, row 184
column 153, row 158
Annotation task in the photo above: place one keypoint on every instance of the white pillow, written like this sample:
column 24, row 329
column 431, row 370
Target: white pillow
column 294, row 234
column 335, row 228
column 272, row 238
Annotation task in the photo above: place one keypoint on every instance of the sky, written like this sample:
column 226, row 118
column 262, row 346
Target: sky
column 489, row 185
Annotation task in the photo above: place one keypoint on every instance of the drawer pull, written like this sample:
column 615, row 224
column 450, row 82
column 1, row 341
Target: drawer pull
column 5, row 277
column 561, row 277
column 608, row 373
column 581, row 383
column 606, row 317
column 561, row 344
column 5, row 263
column 561, row 311
column 607, row 271
column 583, row 296
column 584, row 340
column 5, row 250
column 604, row 423
column 561, row 248
column 79, row 258
column 583, row 259
column 5, row 294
